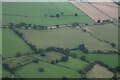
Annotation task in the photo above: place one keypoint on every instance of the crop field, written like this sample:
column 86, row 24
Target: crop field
column 21, row 12
column 68, row 38
column 111, row 9
column 99, row 72
column 74, row 64
column 91, row 11
column 12, row 44
column 50, row 71
column 103, row 9
column 109, row 59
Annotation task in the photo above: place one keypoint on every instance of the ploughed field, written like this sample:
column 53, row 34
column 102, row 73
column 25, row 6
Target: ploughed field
column 44, row 13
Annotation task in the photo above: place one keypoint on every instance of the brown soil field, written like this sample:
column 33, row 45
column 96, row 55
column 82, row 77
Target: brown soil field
column 110, row 9
column 99, row 72
column 91, row 11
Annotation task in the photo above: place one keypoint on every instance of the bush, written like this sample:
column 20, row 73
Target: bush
column 41, row 69
column 35, row 61
column 18, row 54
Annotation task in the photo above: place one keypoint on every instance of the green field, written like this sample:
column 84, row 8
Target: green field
column 16, row 62
column 16, row 12
column 108, row 32
column 50, row 71
column 50, row 56
column 12, row 44
column 63, row 37
column 5, row 73
column 109, row 59
column 74, row 64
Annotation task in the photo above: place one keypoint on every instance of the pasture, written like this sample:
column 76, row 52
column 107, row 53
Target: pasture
column 63, row 37
column 6, row 73
column 21, row 12
column 11, row 44
column 108, row 32
column 109, row 59
column 73, row 63
column 50, row 56
column 50, row 71
column 99, row 72
column 16, row 62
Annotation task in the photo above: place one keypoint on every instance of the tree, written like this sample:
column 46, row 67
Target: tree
column 76, row 14
column 74, row 55
column 83, row 48
column 113, row 45
column 64, row 58
column 57, row 15
column 40, row 69
column 18, row 54
column 117, row 69
column 83, row 58
column 35, row 60
column 6, row 66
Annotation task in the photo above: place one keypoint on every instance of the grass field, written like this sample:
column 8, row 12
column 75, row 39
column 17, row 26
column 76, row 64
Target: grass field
column 17, row 62
column 63, row 37
column 12, row 44
column 109, row 59
column 50, row 56
column 99, row 72
column 16, row 12
column 74, row 64
column 50, row 71
column 108, row 32
column 5, row 73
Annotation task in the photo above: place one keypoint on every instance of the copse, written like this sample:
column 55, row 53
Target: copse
column 83, row 48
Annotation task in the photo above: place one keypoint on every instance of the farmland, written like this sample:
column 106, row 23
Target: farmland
column 68, row 38
column 103, row 9
column 104, row 32
column 59, row 40
column 99, row 72
column 51, row 71
column 12, row 44
column 99, row 57
column 21, row 12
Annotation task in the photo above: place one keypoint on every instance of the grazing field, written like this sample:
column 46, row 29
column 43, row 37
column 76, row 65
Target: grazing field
column 99, row 72
column 5, row 73
column 12, row 44
column 63, row 37
column 109, row 59
column 21, row 12
column 104, row 32
column 18, row 61
column 73, row 63
column 50, row 56
column 50, row 71
column 91, row 11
